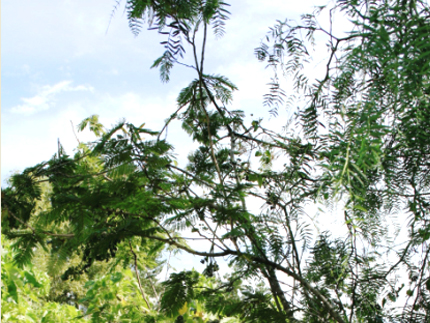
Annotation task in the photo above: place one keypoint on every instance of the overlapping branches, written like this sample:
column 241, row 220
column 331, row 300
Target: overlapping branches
column 363, row 147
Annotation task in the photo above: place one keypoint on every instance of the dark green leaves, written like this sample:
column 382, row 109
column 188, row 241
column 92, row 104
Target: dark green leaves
column 180, row 288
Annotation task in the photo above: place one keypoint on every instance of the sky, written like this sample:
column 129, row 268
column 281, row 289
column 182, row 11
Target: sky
column 65, row 60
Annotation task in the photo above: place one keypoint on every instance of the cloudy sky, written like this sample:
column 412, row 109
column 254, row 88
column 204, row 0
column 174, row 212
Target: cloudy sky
column 65, row 60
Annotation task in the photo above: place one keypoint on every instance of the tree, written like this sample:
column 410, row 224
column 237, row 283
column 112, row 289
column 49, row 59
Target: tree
column 360, row 143
column 36, row 290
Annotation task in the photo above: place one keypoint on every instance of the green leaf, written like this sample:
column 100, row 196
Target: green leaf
column 260, row 180
column 31, row 279
column 12, row 290
column 255, row 125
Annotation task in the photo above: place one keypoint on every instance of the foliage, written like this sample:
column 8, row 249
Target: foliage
column 25, row 294
column 359, row 152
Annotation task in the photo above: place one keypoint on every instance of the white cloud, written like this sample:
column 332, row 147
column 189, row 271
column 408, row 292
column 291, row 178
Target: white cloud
column 45, row 99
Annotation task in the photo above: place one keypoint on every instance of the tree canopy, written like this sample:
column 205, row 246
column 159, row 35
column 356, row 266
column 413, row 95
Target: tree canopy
column 356, row 153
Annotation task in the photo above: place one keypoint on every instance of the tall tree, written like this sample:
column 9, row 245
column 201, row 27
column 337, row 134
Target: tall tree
column 360, row 143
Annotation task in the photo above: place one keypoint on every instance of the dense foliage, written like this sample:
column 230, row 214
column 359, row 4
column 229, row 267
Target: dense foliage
column 355, row 154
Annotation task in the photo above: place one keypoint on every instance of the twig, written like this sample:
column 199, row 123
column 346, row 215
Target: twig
column 73, row 129
column 58, row 235
column 168, row 121
column 137, row 275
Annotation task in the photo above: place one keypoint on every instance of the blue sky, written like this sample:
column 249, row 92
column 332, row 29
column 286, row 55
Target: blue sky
column 64, row 60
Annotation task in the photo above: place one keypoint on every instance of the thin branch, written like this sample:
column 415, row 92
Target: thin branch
column 58, row 235
column 137, row 275
column 73, row 129
column 173, row 116
column 192, row 176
